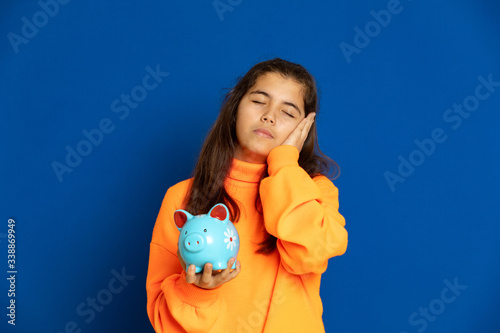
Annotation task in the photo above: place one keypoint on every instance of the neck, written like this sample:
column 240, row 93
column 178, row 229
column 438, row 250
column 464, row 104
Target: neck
column 246, row 171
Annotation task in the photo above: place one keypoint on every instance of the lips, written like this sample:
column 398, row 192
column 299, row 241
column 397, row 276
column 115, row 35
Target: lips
column 263, row 132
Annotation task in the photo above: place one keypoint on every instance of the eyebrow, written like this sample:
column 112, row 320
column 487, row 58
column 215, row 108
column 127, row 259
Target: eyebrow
column 269, row 96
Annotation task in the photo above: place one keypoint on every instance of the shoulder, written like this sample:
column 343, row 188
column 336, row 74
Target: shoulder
column 165, row 233
column 323, row 181
column 178, row 191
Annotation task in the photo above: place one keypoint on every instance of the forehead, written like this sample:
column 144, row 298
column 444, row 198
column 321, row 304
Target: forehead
column 281, row 88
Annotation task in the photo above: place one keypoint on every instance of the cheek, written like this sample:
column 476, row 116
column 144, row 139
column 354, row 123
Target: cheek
column 239, row 120
column 240, row 128
column 240, row 114
column 288, row 129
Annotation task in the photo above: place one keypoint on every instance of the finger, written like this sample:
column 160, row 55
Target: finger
column 299, row 134
column 311, row 116
column 190, row 274
column 223, row 275
column 207, row 274
column 296, row 133
column 235, row 272
column 300, row 127
column 308, row 122
column 308, row 125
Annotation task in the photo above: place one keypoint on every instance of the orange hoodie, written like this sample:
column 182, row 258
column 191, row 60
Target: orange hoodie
column 272, row 293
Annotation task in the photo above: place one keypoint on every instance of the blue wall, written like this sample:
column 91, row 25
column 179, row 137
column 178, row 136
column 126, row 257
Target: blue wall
column 406, row 110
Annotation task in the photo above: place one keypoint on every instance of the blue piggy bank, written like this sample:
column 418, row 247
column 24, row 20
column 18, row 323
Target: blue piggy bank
column 208, row 238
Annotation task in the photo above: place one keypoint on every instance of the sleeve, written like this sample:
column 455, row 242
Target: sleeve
column 302, row 213
column 173, row 305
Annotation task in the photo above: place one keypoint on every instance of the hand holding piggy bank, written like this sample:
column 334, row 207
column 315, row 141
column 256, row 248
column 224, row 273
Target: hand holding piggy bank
column 207, row 238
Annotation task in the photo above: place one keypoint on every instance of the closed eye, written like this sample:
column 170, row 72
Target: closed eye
column 257, row 102
column 289, row 114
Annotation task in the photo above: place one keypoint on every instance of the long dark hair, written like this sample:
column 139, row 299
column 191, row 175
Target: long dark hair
column 218, row 150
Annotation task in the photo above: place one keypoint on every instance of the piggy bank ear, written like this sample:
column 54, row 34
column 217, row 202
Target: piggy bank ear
column 181, row 217
column 219, row 212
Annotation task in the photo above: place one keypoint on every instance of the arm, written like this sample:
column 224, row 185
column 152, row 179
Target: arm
column 302, row 213
column 173, row 304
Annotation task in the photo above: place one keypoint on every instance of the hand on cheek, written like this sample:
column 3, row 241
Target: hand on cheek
column 299, row 134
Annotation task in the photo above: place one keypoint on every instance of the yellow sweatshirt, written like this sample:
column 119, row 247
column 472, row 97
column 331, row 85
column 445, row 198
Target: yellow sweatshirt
column 273, row 293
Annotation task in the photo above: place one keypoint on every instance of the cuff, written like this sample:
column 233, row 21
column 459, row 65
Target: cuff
column 193, row 295
column 280, row 157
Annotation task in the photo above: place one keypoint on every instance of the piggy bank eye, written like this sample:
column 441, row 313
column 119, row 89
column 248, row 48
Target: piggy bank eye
column 204, row 230
column 185, row 233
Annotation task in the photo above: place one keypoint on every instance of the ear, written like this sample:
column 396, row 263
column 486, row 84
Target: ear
column 181, row 217
column 219, row 212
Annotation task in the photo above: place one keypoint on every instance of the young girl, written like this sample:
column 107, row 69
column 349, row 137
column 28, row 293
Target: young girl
column 262, row 160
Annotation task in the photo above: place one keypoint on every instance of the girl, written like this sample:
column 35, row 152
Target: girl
column 262, row 160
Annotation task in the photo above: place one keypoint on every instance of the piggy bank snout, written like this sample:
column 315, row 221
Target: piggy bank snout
column 194, row 242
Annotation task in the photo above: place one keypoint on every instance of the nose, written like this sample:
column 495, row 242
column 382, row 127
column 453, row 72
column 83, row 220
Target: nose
column 268, row 117
column 194, row 242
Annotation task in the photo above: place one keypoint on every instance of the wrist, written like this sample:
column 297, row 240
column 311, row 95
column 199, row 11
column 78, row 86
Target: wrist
column 194, row 295
column 281, row 156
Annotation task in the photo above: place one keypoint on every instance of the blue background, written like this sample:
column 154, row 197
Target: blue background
column 440, row 224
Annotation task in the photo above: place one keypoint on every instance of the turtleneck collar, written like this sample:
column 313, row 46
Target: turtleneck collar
column 246, row 172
